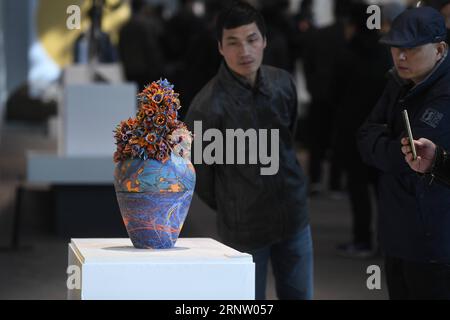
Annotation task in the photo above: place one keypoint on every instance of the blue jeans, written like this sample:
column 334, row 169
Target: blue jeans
column 292, row 264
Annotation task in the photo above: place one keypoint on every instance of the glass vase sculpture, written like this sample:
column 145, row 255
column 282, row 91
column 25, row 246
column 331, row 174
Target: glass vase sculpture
column 154, row 198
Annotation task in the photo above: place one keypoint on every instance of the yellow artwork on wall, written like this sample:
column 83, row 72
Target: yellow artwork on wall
column 58, row 40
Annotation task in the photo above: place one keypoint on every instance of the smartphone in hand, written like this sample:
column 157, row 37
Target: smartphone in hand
column 408, row 130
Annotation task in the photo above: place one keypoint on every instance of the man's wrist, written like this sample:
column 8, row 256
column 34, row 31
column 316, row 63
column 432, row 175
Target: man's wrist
column 439, row 157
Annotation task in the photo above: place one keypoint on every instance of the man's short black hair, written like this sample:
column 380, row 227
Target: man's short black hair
column 437, row 4
column 237, row 14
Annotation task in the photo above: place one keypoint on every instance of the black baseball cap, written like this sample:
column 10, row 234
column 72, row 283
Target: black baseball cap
column 416, row 27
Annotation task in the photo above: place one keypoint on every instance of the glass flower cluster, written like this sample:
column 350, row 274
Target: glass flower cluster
column 155, row 132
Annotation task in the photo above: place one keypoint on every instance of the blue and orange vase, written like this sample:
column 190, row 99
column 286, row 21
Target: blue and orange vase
column 154, row 199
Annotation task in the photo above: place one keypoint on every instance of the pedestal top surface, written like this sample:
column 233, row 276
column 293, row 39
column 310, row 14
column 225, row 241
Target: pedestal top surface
column 186, row 250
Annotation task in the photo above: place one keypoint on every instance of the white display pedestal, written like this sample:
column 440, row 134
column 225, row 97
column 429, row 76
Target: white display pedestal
column 88, row 113
column 45, row 168
column 83, row 164
column 195, row 269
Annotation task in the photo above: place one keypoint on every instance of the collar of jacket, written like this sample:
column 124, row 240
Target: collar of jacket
column 441, row 68
column 239, row 86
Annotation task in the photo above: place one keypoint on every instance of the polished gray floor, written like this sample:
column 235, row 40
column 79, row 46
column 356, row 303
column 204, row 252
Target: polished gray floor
column 37, row 270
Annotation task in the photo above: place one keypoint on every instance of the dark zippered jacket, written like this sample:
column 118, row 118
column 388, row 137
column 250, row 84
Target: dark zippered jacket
column 414, row 209
column 441, row 166
column 254, row 210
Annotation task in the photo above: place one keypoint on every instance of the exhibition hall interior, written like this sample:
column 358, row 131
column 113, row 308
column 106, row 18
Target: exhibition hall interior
column 78, row 76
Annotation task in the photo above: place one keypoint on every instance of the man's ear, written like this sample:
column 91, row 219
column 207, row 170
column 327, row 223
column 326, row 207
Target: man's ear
column 265, row 42
column 441, row 48
column 219, row 46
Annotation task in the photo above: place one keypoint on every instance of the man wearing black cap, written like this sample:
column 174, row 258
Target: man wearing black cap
column 414, row 210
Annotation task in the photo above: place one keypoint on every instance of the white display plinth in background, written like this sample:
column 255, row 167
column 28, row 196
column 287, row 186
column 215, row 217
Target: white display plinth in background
column 195, row 269
column 90, row 113
column 46, row 168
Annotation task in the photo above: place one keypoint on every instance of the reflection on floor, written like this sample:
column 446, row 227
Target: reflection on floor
column 38, row 271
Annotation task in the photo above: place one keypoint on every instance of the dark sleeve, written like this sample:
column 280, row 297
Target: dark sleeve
column 379, row 149
column 293, row 107
column 441, row 166
column 434, row 125
column 205, row 181
column 376, row 145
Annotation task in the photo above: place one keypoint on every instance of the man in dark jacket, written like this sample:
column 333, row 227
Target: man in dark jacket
column 141, row 55
column 265, row 215
column 431, row 159
column 320, row 68
column 414, row 219
column 360, row 76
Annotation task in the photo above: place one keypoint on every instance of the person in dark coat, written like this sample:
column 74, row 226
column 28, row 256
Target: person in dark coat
column 414, row 219
column 140, row 52
column 281, row 35
column 431, row 159
column 94, row 45
column 202, row 59
column 265, row 214
column 320, row 58
column 181, row 29
column 360, row 80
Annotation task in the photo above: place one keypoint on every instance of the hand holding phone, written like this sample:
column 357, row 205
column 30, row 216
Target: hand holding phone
column 408, row 130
